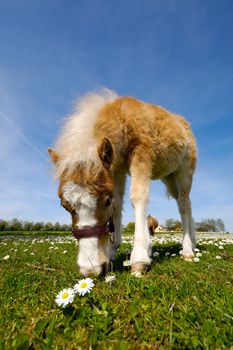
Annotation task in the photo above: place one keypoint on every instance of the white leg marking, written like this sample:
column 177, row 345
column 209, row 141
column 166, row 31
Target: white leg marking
column 141, row 246
column 187, row 222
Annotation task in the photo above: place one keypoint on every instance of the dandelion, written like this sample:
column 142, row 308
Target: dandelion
column 110, row 278
column 126, row 263
column 6, row 257
column 196, row 259
column 65, row 297
column 218, row 257
column 84, row 286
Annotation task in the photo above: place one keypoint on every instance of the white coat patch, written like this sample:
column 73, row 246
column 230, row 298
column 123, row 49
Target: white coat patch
column 83, row 202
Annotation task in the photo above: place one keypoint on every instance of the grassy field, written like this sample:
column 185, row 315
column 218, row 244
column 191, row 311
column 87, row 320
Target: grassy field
column 176, row 305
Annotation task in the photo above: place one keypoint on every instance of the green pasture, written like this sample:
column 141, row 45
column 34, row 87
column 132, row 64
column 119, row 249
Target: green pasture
column 175, row 305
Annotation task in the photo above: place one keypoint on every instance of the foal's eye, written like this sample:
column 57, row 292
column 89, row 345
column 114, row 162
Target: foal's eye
column 108, row 201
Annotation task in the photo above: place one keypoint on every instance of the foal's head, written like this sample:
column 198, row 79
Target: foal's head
column 87, row 194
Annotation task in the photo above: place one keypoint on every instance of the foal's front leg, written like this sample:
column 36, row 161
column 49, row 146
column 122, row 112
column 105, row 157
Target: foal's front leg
column 141, row 243
column 119, row 188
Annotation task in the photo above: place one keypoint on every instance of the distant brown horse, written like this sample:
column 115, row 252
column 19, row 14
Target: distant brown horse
column 104, row 139
column 152, row 224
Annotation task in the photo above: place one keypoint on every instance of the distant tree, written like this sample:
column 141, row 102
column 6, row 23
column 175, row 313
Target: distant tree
column 173, row 225
column 3, row 225
column 65, row 227
column 220, row 225
column 15, row 225
column 210, row 225
column 27, row 225
column 48, row 226
column 130, row 226
column 38, row 226
column 57, row 226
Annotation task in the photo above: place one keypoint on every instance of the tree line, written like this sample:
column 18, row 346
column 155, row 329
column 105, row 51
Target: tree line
column 206, row 225
column 21, row 225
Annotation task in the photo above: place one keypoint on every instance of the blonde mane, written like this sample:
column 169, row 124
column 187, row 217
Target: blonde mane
column 76, row 142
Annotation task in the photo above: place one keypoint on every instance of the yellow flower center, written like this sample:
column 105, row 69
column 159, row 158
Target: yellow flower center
column 65, row 295
column 83, row 284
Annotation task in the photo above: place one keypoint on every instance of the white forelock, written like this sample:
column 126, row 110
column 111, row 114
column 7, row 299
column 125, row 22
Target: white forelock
column 76, row 142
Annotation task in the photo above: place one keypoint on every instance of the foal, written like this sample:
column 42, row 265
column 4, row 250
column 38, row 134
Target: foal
column 106, row 138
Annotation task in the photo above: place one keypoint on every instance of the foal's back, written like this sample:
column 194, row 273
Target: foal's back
column 164, row 138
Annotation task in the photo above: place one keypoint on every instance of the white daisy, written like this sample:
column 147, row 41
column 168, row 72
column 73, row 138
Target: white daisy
column 65, row 251
column 196, row 250
column 126, row 263
column 84, row 286
column 155, row 254
column 218, row 257
column 167, row 254
column 173, row 254
column 196, row 259
column 6, row 257
column 198, row 255
column 110, row 278
column 221, row 247
column 65, row 297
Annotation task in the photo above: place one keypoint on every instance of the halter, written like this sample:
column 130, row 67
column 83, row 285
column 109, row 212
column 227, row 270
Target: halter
column 95, row 231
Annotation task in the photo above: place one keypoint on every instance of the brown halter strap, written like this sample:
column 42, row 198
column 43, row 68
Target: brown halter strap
column 94, row 231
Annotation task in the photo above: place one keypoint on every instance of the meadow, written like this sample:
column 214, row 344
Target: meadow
column 175, row 305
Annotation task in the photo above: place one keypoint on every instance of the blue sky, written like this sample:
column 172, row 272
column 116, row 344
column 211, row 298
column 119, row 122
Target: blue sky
column 175, row 53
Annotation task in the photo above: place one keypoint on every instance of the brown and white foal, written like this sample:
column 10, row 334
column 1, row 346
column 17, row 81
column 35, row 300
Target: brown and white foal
column 106, row 138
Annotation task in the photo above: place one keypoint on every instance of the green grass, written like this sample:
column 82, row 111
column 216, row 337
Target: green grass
column 176, row 305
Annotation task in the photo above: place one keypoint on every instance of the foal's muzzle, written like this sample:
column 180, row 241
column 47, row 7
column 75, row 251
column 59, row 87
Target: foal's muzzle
column 93, row 263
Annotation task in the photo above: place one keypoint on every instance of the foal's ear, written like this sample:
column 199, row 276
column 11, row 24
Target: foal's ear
column 53, row 155
column 106, row 152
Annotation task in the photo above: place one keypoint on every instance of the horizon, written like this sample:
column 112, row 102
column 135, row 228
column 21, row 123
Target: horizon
column 175, row 54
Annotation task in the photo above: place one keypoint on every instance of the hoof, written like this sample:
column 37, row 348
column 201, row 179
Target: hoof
column 187, row 256
column 136, row 274
column 137, row 269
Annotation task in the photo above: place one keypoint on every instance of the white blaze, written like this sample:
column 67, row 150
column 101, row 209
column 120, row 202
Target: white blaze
column 85, row 206
column 83, row 202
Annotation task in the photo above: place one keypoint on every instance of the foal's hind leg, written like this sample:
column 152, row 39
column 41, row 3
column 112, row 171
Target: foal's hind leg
column 179, row 185
column 189, row 238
